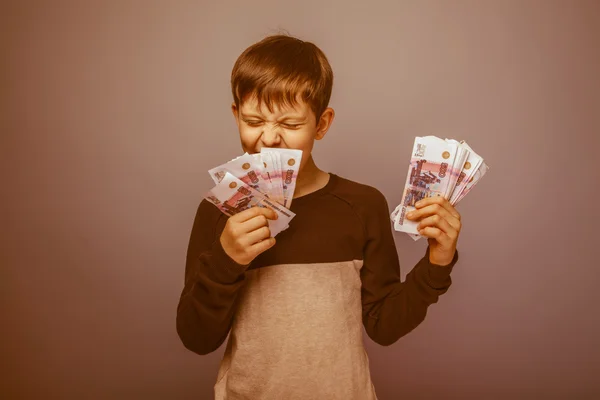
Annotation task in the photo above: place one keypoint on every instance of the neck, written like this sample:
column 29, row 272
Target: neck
column 310, row 178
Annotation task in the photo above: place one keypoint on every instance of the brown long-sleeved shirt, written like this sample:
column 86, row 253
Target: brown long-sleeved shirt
column 296, row 312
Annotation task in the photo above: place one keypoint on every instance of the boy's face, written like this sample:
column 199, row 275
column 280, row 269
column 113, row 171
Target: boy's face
column 285, row 127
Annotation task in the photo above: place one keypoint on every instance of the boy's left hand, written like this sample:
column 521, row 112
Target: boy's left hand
column 440, row 224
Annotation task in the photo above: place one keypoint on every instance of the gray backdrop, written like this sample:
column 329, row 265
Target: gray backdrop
column 112, row 112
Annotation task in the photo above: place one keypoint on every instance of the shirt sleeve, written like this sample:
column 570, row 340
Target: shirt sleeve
column 211, row 285
column 391, row 308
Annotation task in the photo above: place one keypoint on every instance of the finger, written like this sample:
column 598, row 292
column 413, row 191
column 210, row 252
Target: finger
column 256, row 236
column 440, row 200
column 261, row 246
column 435, row 209
column 253, row 224
column 436, row 234
column 437, row 221
column 253, row 212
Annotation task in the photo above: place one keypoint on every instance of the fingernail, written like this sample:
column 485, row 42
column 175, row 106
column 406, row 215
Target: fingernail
column 410, row 214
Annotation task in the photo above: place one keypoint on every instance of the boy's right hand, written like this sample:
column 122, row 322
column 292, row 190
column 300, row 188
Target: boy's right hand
column 247, row 234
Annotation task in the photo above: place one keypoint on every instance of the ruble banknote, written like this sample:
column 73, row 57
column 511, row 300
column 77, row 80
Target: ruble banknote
column 438, row 167
column 231, row 195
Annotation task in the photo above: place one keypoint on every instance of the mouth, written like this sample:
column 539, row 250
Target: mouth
column 258, row 150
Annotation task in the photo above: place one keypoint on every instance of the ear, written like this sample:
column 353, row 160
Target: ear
column 236, row 114
column 324, row 123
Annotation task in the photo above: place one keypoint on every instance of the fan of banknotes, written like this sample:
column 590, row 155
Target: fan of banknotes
column 438, row 167
column 265, row 179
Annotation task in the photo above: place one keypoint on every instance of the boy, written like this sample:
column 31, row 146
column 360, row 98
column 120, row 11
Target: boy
column 295, row 306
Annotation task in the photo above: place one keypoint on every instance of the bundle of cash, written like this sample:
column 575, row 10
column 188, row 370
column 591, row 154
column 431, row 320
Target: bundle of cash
column 265, row 179
column 438, row 167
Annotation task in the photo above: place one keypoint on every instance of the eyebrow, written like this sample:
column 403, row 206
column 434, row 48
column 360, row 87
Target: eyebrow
column 251, row 115
column 286, row 118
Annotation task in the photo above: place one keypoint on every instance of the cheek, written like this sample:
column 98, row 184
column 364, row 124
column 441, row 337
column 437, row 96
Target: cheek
column 300, row 140
column 248, row 137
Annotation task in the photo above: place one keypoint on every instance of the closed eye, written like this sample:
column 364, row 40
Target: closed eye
column 258, row 123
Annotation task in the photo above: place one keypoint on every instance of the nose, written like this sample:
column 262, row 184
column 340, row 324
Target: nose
column 270, row 135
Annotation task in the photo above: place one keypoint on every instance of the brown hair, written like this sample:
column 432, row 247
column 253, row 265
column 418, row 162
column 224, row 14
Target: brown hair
column 280, row 68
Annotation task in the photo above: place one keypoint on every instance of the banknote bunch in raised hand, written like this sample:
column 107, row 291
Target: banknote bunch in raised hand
column 438, row 167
